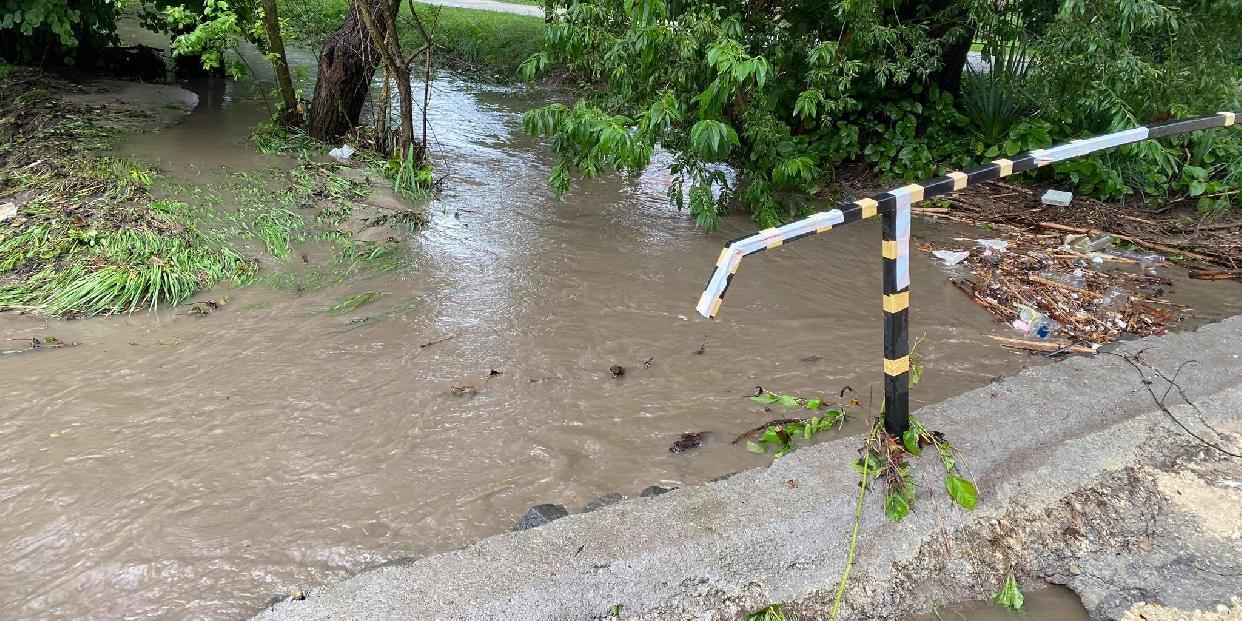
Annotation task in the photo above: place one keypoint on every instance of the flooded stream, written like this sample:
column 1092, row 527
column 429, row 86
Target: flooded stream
column 178, row 466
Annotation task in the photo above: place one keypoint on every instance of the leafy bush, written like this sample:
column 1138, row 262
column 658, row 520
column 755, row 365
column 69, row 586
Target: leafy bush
column 780, row 95
column 52, row 31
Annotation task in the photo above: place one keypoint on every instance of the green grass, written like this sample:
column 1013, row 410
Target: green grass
column 488, row 43
column 494, row 44
column 122, row 259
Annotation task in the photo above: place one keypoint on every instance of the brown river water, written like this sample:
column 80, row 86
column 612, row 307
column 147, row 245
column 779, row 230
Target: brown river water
column 176, row 466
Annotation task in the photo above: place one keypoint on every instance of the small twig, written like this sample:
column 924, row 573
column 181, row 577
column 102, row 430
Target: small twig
column 1163, row 407
column 438, row 341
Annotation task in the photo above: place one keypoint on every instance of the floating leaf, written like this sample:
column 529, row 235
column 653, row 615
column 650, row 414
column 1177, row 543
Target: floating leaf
column 787, row 401
column 962, row 492
column 755, row 448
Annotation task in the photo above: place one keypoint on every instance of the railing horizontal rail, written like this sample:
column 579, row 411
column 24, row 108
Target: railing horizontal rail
column 894, row 206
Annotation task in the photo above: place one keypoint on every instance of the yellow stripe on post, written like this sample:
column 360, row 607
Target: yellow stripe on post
column 1230, row 118
column 724, row 256
column 1006, row 166
column 773, row 243
column 959, row 179
column 897, row 302
column 715, row 306
column 824, row 229
column 869, row 207
column 896, row 367
column 888, row 248
column 915, row 191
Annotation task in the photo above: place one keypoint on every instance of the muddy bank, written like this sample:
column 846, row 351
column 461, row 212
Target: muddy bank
column 1085, row 480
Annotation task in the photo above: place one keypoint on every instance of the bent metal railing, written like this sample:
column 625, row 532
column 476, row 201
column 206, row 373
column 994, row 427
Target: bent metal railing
column 894, row 208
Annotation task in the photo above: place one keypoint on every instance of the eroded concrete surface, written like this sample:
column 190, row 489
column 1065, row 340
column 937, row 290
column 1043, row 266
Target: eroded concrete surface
column 1083, row 479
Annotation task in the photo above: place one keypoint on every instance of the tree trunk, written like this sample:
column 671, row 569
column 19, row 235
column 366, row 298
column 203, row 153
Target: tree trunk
column 943, row 17
column 346, row 66
column 271, row 23
column 382, row 27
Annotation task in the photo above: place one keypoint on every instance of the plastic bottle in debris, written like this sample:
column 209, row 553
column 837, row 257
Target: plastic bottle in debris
column 1145, row 259
column 1099, row 243
column 1035, row 323
column 1073, row 280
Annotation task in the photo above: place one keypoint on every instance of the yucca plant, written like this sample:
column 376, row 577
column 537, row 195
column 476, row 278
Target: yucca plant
column 995, row 97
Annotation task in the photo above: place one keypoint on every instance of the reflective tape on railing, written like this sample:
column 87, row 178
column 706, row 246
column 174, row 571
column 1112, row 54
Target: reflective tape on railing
column 902, row 198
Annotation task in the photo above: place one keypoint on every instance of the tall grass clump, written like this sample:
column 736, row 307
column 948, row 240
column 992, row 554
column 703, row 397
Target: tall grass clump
column 116, row 260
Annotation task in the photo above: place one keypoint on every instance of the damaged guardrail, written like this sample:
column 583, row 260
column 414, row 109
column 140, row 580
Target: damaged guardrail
column 894, row 208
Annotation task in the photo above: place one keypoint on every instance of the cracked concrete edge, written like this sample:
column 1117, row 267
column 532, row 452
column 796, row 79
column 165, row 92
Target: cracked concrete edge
column 780, row 534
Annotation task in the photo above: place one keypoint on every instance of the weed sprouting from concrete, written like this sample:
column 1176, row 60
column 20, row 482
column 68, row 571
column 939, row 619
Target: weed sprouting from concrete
column 771, row 612
column 1009, row 596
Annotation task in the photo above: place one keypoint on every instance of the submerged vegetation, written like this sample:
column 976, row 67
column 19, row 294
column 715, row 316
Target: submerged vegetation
column 87, row 236
column 89, row 233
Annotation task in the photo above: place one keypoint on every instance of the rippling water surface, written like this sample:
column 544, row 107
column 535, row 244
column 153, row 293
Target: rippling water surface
column 183, row 467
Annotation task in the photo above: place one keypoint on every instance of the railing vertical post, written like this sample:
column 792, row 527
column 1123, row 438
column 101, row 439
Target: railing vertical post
column 895, row 220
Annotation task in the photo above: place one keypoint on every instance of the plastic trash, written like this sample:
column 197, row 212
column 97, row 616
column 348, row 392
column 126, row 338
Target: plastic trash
column 999, row 245
column 8, row 210
column 1145, row 259
column 1056, row 198
column 342, row 153
column 1100, row 243
column 1072, row 280
column 950, row 257
column 1114, row 298
column 1077, row 243
column 1034, row 323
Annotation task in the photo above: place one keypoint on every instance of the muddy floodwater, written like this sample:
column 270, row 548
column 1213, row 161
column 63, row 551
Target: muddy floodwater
column 1047, row 604
column 178, row 466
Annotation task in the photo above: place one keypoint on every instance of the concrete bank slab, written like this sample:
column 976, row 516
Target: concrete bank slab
column 1069, row 460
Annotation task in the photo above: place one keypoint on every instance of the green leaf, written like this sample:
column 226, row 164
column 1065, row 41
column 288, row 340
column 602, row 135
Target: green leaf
column 813, row 403
column 895, row 507
column 1197, row 172
column 870, row 460
column 911, row 441
column 756, row 448
column 1197, row 188
column 764, row 398
column 787, row 401
column 1009, row 597
column 962, row 492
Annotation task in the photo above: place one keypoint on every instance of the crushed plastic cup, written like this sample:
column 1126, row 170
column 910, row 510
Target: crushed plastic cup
column 1077, row 243
column 998, row 245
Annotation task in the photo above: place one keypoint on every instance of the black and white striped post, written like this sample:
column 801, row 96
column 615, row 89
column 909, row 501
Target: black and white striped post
column 894, row 207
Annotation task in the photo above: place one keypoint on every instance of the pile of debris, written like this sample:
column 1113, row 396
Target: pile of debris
column 1053, row 288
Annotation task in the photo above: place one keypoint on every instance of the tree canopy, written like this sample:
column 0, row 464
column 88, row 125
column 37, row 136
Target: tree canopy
column 785, row 91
